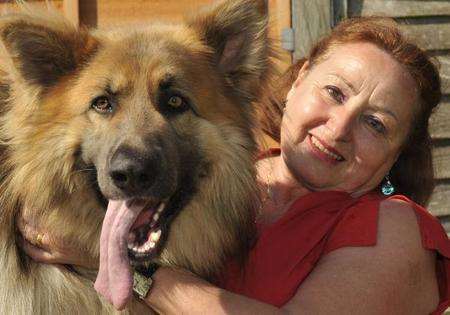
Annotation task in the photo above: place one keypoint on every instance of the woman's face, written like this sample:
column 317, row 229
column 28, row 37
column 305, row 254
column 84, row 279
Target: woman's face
column 346, row 119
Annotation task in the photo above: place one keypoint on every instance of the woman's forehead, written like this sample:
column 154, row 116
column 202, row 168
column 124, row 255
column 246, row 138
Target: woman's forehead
column 362, row 57
column 363, row 65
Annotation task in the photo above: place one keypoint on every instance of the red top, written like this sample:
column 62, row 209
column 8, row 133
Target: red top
column 316, row 224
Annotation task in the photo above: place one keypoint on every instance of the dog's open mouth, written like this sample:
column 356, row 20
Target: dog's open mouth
column 145, row 237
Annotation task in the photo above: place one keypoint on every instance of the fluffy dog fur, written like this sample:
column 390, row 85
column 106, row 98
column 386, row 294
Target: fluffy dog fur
column 55, row 147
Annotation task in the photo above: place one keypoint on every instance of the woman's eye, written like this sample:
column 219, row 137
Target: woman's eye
column 335, row 93
column 102, row 105
column 175, row 101
column 376, row 125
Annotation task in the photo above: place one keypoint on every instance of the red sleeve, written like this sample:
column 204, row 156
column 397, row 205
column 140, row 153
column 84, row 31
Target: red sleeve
column 357, row 227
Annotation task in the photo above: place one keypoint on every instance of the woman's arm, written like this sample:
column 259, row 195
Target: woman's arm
column 396, row 276
column 180, row 292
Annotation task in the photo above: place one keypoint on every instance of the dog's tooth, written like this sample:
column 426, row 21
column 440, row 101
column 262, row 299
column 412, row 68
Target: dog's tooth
column 152, row 244
column 142, row 250
column 155, row 236
column 156, row 216
column 161, row 207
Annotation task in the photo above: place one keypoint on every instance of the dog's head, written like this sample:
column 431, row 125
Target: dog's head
column 156, row 110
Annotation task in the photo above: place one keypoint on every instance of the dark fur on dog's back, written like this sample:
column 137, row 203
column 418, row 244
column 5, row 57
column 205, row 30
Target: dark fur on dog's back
column 53, row 142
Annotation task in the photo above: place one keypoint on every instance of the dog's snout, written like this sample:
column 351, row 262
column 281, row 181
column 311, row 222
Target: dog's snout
column 133, row 172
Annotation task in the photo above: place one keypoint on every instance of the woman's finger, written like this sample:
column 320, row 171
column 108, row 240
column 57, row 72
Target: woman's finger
column 33, row 236
column 38, row 240
column 41, row 255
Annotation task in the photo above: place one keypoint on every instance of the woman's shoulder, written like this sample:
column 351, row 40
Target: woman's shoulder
column 401, row 231
column 397, row 218
column 409, row 218
column 393, row 253
column 398, row 221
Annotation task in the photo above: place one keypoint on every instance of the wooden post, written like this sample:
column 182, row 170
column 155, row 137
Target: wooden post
column 71, row 11
column 280, row 19
column 310, row 21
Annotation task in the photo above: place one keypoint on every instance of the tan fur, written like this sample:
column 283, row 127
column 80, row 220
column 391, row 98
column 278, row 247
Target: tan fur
column 47, row 130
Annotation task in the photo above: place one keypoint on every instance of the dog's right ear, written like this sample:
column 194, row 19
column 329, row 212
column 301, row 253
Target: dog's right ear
column 236, row 30
column 42, row 53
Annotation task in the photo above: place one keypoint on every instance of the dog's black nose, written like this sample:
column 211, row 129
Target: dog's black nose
column 133, row 172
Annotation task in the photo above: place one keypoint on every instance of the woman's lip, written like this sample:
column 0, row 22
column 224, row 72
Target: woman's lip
column 322, row 155
column 328, row 147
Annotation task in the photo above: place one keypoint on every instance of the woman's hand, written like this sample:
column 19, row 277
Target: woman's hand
column 42, row 247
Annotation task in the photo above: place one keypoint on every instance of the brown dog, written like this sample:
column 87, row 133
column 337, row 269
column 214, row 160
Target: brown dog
column 160, row 115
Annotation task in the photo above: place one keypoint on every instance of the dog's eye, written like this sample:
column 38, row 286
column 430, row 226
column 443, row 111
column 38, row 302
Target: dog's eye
column 175, row 101
column 102, row 105
column 172, row 103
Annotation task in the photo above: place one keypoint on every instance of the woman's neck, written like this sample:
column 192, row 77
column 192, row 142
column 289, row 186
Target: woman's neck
column 279, row 188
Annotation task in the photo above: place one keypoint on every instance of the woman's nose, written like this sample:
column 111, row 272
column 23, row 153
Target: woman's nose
column 341, row 123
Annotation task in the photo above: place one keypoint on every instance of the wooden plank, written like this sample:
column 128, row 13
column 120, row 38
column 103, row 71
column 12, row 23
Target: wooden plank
column 440, row 200
column 307, row 29
column 113, row 12
column 340, row 11
column 441, row 159
column 71, row 11
column 88, row 12
column 429, row 36
column 440, row 122
column 10, row 5
column 398, row 8
column 279, row 19
column 444, row 70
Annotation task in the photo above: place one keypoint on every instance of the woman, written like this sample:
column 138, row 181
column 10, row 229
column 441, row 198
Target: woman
column 355, row 123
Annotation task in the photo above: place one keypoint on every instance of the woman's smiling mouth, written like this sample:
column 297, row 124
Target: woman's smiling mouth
column 324, row 152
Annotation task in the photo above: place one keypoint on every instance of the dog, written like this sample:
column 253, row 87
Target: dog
column 160, row 115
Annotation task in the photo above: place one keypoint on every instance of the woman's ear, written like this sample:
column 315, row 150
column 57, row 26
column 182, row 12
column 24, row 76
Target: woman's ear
column 301, row 74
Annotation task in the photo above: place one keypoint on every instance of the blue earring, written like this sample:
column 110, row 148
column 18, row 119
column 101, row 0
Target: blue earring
column 387, row 188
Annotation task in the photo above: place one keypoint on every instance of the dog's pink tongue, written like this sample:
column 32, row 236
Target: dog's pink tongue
column 114, row 280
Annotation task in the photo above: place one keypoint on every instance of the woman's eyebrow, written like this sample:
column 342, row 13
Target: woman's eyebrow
column 346, row 82
column 385, row 111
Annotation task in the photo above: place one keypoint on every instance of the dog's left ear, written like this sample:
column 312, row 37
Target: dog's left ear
column 236, row 30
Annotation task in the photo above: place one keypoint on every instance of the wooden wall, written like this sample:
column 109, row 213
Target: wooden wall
column 119, row 12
